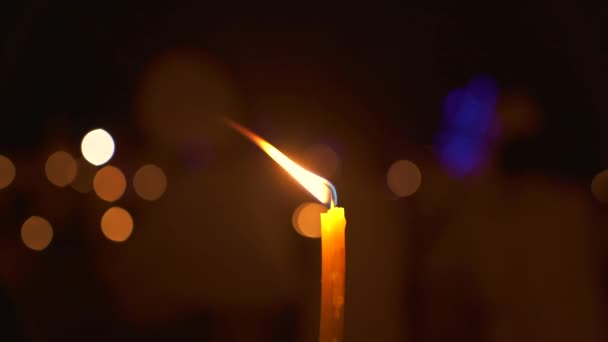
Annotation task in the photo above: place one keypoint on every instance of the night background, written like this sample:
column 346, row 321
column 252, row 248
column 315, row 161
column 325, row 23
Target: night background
column 467, row 143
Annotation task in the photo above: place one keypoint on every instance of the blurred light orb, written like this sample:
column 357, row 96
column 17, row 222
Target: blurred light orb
column 109, row 183
column 403, row 178
column 36, row 233
column 83, row 182
column 150, row 182
column 599, row 186
column 97, row 147
column 61, row 168
column 469, row 126
column 322, row 159
column 306, row 219
column 7, row 172
column 117, row 224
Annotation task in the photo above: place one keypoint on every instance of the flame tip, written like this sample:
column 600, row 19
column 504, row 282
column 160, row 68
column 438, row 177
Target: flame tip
column 318, row 186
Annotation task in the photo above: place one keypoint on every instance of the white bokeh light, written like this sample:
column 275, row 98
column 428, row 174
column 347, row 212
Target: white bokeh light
column 97, row 147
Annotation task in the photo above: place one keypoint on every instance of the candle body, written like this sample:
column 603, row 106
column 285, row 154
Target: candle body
column 333, row 224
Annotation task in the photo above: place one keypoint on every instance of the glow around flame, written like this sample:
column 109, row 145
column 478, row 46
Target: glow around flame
column 319, row 187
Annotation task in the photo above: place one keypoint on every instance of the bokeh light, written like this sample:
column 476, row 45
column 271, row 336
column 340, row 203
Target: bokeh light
column 306, row 219
column 599, row 186
column 403, row 178
column 109, row 183
column 83, row 182
column 61, row 168
column 322, row 159
column 36, row 233
column 97, row 147
column 468, row 127
column 7, row 172
column 117, row 224
column 150, row 182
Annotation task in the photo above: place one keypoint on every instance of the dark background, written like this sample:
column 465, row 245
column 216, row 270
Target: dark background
column 216, row 258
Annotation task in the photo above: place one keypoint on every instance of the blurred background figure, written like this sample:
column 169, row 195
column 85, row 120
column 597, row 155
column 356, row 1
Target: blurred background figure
column 514, row 259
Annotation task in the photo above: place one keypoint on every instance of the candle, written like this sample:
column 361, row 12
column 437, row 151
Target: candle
column 333, row 224
column 332, row 275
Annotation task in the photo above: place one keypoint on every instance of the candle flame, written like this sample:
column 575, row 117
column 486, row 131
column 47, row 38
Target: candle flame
column 319, row 187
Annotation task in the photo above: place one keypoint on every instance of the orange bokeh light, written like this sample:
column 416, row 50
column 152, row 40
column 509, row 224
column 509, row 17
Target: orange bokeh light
column 36, row 233
column 403, row 178
column 7, row 172
column 306, row 219
column 150, row 182
column 61, row 168
column 117, row 224
column 109, row 183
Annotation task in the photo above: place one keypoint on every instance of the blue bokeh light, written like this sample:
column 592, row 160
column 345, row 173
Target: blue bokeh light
column 468, row 126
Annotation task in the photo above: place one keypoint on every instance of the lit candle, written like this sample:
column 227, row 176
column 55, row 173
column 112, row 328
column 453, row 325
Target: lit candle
column 332, row 238
column 332, row 275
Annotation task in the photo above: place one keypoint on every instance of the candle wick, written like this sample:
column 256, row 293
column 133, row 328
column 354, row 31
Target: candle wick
column 333, row 199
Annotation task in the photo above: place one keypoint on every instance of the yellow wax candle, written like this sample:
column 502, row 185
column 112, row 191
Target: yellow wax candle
column 332, row 238
column 332, row 275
